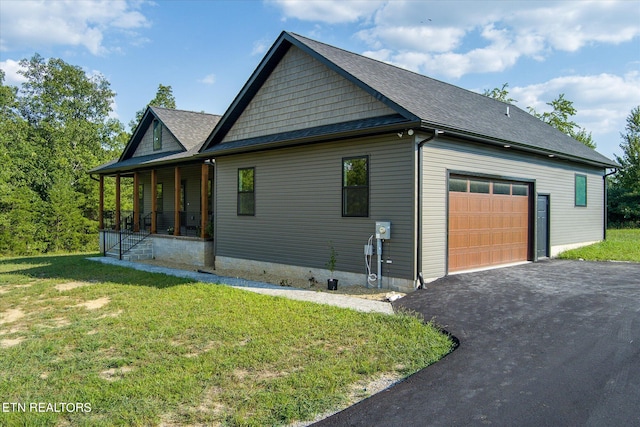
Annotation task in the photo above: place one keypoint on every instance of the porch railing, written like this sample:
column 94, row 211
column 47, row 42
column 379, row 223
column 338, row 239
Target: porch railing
column 190, row 222
column 119, row 242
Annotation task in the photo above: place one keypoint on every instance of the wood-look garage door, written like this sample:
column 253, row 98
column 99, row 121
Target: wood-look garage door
column 488, row 222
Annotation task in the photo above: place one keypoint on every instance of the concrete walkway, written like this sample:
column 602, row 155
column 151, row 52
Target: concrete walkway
column 338, row 300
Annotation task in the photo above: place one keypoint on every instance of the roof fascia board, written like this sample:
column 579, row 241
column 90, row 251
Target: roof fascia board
column 139, row 133
column 337, row 136
column 136, row 136
column 248, row 91
column 153, row 165
column 264, row 69
column 522, row 147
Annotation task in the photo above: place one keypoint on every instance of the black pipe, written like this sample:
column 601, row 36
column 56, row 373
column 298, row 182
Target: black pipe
column 606, row 202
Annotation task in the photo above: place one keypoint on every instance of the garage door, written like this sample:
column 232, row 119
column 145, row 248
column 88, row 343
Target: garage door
column 488, row 222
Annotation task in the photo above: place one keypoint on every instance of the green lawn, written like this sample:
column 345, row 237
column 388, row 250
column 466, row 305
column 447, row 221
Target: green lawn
column 137, row 348
column 621, row 245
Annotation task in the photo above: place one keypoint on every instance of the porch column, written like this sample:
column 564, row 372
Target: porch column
column 204, row 199
column 117, row 202
column 101, row 204
column 136, row 202
column 154, row 202
column 176, row 202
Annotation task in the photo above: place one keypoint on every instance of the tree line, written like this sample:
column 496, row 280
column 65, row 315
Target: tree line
column 56, row 127
column 623, row 187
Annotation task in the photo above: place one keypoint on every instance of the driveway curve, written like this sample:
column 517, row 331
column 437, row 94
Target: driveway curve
column 553, row 343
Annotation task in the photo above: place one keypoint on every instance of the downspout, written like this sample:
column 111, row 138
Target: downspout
column 606, row 202
column 419, row 211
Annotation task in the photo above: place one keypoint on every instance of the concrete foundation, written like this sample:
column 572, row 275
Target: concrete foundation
column 321, row 275
column 184, row 250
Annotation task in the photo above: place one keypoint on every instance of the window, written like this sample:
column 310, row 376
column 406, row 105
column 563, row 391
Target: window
column 159, row 197
column 581, row 190
column 520, row 190
column 141, row 197
column 246, row 191
column 355, row 186
column 458, row 185
column 501, row 188
column 183, row 195
column 157, row 135
column 476, row 186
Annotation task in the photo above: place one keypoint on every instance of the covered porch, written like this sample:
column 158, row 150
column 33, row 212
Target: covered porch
column 169, row 206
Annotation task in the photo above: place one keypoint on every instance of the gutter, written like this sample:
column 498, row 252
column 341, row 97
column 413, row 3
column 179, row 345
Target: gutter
column 419, row 210
column 606, row 202
column 520, row 146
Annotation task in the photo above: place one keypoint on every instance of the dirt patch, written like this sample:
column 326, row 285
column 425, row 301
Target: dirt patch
column 6, row 343
column 114, row 374
column 198, row 351
column 112, row 314
column 95, row 303
column 71, row 285
column 57, row 322
column 11, row 315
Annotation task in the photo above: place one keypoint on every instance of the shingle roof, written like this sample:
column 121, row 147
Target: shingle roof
column 188, row 127
column 433, row 103
column 191, row 129
column 445, row 106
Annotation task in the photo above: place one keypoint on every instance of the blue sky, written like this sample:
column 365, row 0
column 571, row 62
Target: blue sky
column 206, row 50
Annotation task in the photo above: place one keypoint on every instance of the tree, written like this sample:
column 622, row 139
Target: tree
column 560, row 118
column 624, row 190
column 52, row 131
column 501, row 94
column 164, row 98
column 629, row 174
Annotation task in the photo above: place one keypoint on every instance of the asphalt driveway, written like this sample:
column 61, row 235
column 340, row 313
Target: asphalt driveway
column 555, row 343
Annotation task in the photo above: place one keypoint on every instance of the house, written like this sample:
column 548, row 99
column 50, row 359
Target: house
column 322, row 147
column 159, row 158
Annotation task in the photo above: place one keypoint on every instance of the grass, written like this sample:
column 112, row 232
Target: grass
column 621, row 245
column 143, row 349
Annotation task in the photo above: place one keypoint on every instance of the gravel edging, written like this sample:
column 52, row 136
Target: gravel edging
column 338, row 300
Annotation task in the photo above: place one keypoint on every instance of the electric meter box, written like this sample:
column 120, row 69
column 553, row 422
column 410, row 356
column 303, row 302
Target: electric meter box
column 383, row 230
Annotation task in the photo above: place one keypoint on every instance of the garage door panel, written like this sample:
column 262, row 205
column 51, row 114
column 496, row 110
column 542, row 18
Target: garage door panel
column 496, row 227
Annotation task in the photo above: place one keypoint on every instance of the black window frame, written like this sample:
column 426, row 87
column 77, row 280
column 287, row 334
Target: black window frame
column 141, row 197
column 243, row 193
column 576, row 189
column 159, row 197
column 157, row 135
column 346, row 189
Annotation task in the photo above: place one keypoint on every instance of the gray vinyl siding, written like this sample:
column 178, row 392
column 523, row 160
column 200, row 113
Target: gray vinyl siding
column 169, row 143
column 569, row 224
column 191, row 174
column 300, row 93
column 298, row 193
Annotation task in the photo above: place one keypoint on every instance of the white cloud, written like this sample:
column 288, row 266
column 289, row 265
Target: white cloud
column 29, row 24
column 11, row 68
column 602, row 101
column 328, row 11
column 455, row 38
column 260, row 47
column 209, row 79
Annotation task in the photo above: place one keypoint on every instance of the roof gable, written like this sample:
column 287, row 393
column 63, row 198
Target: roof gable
column 186, row 131
column 302, row 93
column 431, row 103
